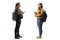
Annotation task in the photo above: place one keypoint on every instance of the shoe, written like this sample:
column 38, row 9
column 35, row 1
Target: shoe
column 39, row 37
column 20, row 36
column 17, row 37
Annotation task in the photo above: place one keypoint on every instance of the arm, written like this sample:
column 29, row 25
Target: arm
column 21, row 12
column 40, row 12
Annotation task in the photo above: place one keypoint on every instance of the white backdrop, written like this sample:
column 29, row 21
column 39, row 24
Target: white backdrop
column 29, row 29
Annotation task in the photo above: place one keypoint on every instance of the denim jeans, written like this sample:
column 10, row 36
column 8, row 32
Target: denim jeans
column 39, row 23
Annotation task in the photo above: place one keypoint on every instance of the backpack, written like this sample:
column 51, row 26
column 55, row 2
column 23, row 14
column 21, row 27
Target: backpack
column 14, row 16
column 44, row 16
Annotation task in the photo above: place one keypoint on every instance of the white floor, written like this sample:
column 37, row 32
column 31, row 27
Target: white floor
column 29, row 29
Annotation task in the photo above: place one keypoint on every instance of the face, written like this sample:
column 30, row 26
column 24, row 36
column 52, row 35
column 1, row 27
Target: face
column 39, row 5
column 18, row 6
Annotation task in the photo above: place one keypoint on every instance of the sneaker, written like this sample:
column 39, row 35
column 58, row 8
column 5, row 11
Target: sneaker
column 39, row 37
column 17, row 37
column 20, row 36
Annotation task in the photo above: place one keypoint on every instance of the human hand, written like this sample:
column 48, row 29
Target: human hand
column 24, row 12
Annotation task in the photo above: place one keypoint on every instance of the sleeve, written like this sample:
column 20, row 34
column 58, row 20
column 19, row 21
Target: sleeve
column 21, row 12
column 40, row 12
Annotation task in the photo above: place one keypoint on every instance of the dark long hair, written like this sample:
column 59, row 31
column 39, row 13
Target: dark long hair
column 41, row 6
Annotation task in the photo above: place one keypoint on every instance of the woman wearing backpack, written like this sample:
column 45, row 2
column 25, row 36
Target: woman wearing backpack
column 19, row 16
column 39, row 21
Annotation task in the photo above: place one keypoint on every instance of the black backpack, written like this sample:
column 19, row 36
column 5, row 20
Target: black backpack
column 14, row 16
column 44, row 16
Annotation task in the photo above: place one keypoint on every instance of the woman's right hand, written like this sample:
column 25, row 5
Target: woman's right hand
column 36, row 15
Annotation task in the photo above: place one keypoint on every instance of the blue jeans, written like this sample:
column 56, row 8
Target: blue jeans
column 39, row 23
